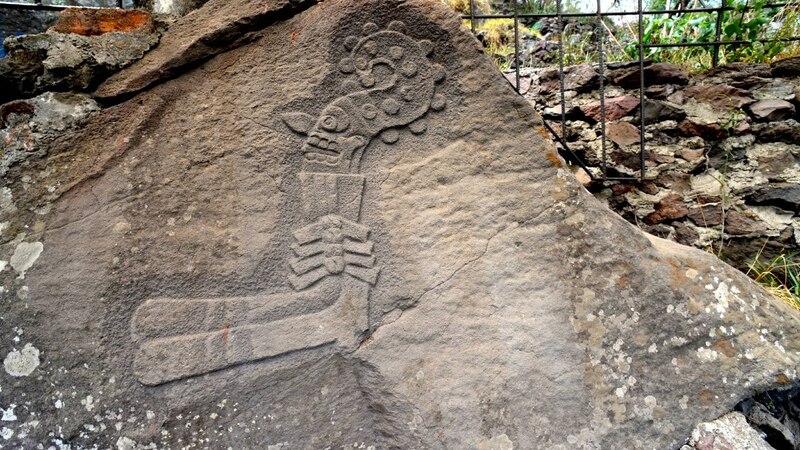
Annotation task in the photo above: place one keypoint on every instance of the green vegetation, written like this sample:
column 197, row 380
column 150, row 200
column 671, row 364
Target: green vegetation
column 748, row 20
column 780, row 276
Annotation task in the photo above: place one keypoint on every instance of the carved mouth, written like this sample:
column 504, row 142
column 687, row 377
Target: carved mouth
column 321, row 149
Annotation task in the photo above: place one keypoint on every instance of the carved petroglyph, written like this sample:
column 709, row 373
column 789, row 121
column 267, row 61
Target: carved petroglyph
column 183, row 338
column 330, row 246
column 333, row 243
column 391, row 83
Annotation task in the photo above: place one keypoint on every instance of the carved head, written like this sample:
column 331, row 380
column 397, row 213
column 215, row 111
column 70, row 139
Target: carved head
column 390, row 83
column 332, row 139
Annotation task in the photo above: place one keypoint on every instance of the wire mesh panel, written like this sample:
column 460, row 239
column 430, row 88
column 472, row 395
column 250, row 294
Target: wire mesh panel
column 725, row 30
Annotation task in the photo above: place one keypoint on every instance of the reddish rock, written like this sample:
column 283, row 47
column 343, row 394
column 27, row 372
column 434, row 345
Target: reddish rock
column 92, row 22
column 670, row 207
column 771, row 110
column 622, row 188
column 690, row 154
column 623, row 133
column 655, row 74
column 579, row 78
column 616, row 107
column 706, row 215
column 708, row 131
column 721, row 95
column 738, row 224
column 649, row 187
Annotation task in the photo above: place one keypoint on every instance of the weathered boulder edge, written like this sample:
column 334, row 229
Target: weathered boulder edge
column 216, row 27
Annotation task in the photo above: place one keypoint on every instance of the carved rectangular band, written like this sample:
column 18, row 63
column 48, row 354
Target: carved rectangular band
column 332, row 194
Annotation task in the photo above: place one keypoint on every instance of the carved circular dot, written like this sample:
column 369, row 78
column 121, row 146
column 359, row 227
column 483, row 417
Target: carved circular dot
column 346, row 65
column 390, row 106
column 406, row 94
column 438, row 73
column 361, row 64
column 370, row 28
column 398, row 26
column 408, row 69
column 438, row 103
column 396, row 53
column 418, row 127
column 371, row 47
column 369, row 111
column 367, row 81
column 390, row 136
column 350, row 86
column 350, row 42
column 426, row 46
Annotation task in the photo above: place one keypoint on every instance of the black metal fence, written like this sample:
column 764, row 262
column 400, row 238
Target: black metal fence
column 562, row 17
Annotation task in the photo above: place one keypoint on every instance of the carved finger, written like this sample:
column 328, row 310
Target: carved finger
column 307, row 250
column 301, row 266
column 362, row 248
column 306, row 280
column 359, row 260
column 368, row 275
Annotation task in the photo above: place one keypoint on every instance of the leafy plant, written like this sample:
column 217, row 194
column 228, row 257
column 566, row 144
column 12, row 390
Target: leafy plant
column 749, row 20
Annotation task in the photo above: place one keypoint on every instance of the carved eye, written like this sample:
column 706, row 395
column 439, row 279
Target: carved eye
column 335, row 120
column 329, row 123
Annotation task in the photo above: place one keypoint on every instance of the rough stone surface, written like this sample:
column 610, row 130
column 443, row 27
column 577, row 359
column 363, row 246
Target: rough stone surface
column 28, row 126
column 579, row 78
column 719, row 95
column 56, row 61
column 216, row 27
column 386, row 252
column 654, row 74
column 623, row 133
column 615, row 107
column 729, row 432
column 91, row 22
column 771, row 110
column 789, row 67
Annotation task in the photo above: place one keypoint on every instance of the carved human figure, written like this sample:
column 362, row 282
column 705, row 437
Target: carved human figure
column 391, row 83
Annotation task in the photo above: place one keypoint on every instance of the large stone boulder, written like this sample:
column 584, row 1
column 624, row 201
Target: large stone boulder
column 385, row 252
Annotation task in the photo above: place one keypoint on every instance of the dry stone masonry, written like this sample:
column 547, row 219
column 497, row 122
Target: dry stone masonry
column 386, row 252
column 721, row 150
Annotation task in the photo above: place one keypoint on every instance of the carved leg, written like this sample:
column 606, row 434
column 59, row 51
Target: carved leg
column 163, row 317
column 167, row 359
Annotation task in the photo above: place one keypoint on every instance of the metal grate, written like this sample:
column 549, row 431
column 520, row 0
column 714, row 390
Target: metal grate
column 598, row 15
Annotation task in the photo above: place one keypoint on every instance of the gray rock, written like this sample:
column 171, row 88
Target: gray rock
column 788, row 67
column 656, row 111
column 28, row 126
column 14, row 22
column 787, row 131
column 771, row 110
column 370, row 254
column 729, row 432
column 580, row 78
column 54, row 61
column 776, row 433
column 782, row 195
